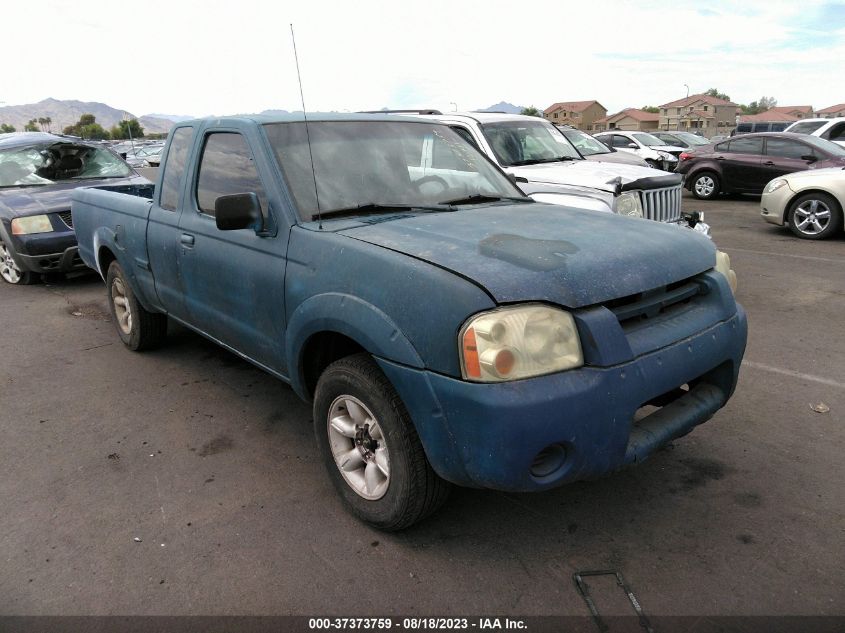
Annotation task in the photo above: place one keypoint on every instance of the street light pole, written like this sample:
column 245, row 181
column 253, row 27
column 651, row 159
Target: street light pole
column 452, row 103
column 687, row 87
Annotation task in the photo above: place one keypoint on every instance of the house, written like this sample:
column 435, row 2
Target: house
column 769, row 116
column 579, row 114
column 799, row 112
column 699, row 113
column 832, row 112
column 630, row 119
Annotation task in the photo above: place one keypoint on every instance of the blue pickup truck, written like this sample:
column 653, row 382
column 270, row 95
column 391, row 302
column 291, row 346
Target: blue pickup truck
column 448, row 329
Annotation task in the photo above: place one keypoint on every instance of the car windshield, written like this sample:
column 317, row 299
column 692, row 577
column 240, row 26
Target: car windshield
column 830, row 147
column 528, row 142
column 806, row 127
column 586, row 144
column 371, row 164
column 692, row 139
column 648, row 139
column 48, row 163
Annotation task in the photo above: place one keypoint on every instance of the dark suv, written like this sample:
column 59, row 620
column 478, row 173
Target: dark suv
column 38, row 173
column 745, row 164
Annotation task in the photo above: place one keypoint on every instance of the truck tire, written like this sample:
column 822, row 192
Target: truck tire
column 370, row 447
column 137, row 328
column 10, row 272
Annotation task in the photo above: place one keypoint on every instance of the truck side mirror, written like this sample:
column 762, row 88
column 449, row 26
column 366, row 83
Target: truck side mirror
column 238, row 211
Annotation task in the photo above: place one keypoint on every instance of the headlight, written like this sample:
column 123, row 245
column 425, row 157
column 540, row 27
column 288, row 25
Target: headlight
column 774, row 185
column 519, row 342
column 668, row 156
column 723, row 265
column 31, row 224
column 629, row 204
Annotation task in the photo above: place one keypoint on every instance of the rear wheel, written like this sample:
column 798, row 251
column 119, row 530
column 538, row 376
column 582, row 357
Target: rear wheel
column 138, row 328
column 11, row 273
column 815, row 216
column 370, row 447
column 705, row 185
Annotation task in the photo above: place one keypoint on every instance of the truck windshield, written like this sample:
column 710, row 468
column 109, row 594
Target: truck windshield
column 46, row 164
column 528, row 142
column 374, row 164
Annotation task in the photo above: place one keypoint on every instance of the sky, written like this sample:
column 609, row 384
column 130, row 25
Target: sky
column 214, row 57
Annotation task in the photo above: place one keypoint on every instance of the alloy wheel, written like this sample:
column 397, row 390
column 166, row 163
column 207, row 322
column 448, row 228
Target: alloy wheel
column 122, row 309
column 8, row 268
column 358, row 447
column 811, row 217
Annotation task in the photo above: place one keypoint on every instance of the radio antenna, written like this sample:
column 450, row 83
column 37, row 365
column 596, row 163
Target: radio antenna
column 307, row 134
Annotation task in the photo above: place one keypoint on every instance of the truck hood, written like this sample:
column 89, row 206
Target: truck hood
column 542, row 252
column 18, row 202
column 597, row 175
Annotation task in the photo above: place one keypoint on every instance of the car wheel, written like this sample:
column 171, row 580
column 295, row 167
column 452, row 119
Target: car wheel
column 705, row 185
column 10, row 272
column 815, row 216
column 138, row 328
column 654, row 164
column 370, row 447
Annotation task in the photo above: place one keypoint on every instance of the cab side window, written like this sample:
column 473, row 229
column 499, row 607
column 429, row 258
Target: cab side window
column 174, row 168
column 227, row 167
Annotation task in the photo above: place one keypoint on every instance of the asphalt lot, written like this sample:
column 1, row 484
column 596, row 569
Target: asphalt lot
column 212, row 464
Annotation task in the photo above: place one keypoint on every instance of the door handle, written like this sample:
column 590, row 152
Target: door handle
column 187, row 240
column 769, row 162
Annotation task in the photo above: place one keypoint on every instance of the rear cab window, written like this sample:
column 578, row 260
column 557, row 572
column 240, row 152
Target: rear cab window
column 174, row 168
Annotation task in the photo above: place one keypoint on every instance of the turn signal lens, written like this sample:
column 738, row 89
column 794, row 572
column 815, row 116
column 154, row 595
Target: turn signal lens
column 723, row 265
column 519, row 342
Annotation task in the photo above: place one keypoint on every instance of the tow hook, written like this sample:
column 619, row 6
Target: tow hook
column 693, row 218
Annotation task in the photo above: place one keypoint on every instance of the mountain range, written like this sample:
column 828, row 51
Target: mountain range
column 65, row 113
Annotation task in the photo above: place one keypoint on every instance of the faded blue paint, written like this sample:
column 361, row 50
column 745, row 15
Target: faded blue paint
column 401, row 287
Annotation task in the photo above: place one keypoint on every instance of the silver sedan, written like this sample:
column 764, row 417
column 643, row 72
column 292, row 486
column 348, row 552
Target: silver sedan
column 809, row 202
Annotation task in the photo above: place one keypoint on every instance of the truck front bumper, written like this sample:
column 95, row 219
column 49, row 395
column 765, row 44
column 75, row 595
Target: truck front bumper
column 543, row 432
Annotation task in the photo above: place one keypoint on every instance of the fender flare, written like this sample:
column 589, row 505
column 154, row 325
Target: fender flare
column 352, row 317
column 104, row 238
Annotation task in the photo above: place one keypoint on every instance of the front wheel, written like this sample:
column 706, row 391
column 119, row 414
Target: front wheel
column 815, row 216
column 370, row 447
column 11, row 273
column 705, row 185
column 138, row 328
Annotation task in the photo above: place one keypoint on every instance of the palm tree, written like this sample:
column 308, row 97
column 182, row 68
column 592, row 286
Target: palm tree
column 41, row 122
column 48, row 121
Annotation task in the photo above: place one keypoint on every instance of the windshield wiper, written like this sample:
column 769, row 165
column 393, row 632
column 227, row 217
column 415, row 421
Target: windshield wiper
column 478, row 198
column 29, row 184
column 537, row 161
column 376, row 207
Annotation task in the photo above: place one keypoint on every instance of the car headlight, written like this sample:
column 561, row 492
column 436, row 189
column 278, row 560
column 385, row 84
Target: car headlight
column 723, row 265
column 629, row 204
column 668, row 156
column 31, row 224
column 774, row 185
column 519, row 342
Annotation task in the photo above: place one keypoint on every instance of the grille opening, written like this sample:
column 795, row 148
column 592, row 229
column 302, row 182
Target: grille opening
column 644, row 305
column 67, row 218
column 658, row 402
column 548, row 461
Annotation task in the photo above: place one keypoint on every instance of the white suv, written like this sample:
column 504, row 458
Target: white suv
column 828, row 129
column 651, row 149
column 548, row 168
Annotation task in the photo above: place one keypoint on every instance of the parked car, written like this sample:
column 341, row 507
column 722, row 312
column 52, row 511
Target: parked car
column 592, row 149
column 809, row 202
column 145, row 156
column 687, row 140
column 828, row 129
column 548, row 168
column 744, row 164
column 445, row 327
column 38, row 172
column 717, row 138
column 650, row 148
column 760, row 126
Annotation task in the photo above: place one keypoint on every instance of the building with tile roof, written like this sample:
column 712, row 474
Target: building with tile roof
column 629, row 119
column 579, row 114
column 699, row 113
